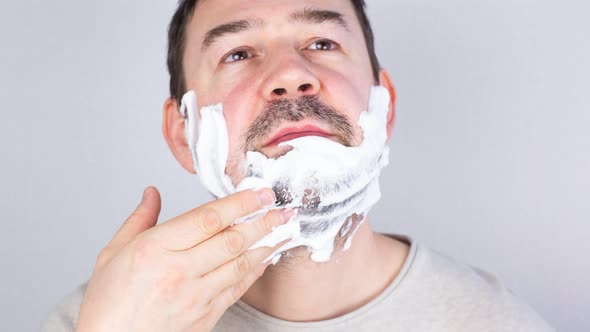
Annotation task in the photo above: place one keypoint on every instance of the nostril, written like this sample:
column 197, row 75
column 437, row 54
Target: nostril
column 304, row 87
column 279, row 91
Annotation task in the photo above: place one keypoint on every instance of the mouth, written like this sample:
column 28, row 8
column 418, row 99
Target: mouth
column 290, row 133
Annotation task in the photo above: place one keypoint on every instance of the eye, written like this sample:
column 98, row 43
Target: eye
column 323, row 45
column 237, row 55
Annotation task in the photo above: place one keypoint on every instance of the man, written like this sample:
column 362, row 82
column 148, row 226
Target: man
column 283, row 70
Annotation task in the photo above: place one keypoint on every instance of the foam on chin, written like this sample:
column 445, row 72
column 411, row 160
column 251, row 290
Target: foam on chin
column 327, row 181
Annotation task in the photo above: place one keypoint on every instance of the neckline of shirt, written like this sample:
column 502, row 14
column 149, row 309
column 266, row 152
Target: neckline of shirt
column 259, row 315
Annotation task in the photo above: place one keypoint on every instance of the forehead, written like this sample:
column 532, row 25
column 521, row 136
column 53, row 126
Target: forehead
column 211, row 13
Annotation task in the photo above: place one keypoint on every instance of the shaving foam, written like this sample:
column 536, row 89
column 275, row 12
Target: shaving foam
column 327, row 182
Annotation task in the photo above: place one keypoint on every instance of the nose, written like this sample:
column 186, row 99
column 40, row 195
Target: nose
column 290, row 78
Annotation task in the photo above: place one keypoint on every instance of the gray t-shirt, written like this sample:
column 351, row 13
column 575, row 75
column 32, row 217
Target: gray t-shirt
column 432, row 292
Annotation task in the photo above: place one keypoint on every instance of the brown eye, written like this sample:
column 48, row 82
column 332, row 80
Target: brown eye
column 238, row 55
column 322, row 45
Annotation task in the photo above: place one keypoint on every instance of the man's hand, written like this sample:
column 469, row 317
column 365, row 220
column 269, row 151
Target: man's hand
column 180, row 275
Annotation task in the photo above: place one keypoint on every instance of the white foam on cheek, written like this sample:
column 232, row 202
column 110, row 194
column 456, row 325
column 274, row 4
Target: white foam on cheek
column 210, row 149
column 342, row 180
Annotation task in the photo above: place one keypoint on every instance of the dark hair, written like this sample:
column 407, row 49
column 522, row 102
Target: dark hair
column 177, row 41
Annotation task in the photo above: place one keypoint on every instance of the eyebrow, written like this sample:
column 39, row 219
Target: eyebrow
column 318, row 16
column 306, row 15
column 229, row 28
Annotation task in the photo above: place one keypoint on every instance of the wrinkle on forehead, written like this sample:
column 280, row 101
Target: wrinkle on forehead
column 307, row 15
column 209, row 13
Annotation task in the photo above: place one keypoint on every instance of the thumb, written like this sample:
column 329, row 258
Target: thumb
column 144, row 217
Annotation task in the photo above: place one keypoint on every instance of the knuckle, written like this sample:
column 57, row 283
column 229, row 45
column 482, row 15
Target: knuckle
column 234, row 241
column 143, row 252
column 201, row 300
column 168, row 283
column 209, row 221
column 170, row 280
column 242, row 266
column 197, row 303
column 246, row 206
column 266, row 224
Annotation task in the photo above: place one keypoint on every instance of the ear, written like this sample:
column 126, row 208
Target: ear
column 385, row 81
column 173, row 130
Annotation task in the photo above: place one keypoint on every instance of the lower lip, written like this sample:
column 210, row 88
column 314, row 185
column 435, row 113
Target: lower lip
column 291, row 136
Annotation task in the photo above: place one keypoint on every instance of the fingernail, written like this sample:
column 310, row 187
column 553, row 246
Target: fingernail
column 266, row 197
column 286, row 214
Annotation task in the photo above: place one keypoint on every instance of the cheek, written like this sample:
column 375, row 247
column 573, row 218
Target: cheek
column 347, row 94
column 239, row 101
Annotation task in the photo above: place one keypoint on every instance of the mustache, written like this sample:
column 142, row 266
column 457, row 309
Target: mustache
column 294, row 110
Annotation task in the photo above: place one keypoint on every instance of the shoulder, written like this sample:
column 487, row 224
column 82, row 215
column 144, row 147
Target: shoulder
column 474, row 298
column 64, row 316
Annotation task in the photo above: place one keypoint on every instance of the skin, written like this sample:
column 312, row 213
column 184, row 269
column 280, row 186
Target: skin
column 183, row 274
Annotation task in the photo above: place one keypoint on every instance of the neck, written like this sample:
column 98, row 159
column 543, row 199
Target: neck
column 300, row 289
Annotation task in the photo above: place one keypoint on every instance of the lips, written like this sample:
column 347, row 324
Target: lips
column 290, row 133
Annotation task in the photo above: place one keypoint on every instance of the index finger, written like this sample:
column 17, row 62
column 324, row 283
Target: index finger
column 193, row 227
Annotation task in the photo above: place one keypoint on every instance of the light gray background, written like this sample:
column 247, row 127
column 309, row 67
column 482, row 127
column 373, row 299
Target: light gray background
column 489, row 162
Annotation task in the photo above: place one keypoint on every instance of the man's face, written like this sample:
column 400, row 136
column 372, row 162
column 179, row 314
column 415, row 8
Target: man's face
column 282, row 69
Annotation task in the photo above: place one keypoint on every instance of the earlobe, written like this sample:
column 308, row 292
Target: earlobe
column 385, row 81
column 174, row 134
